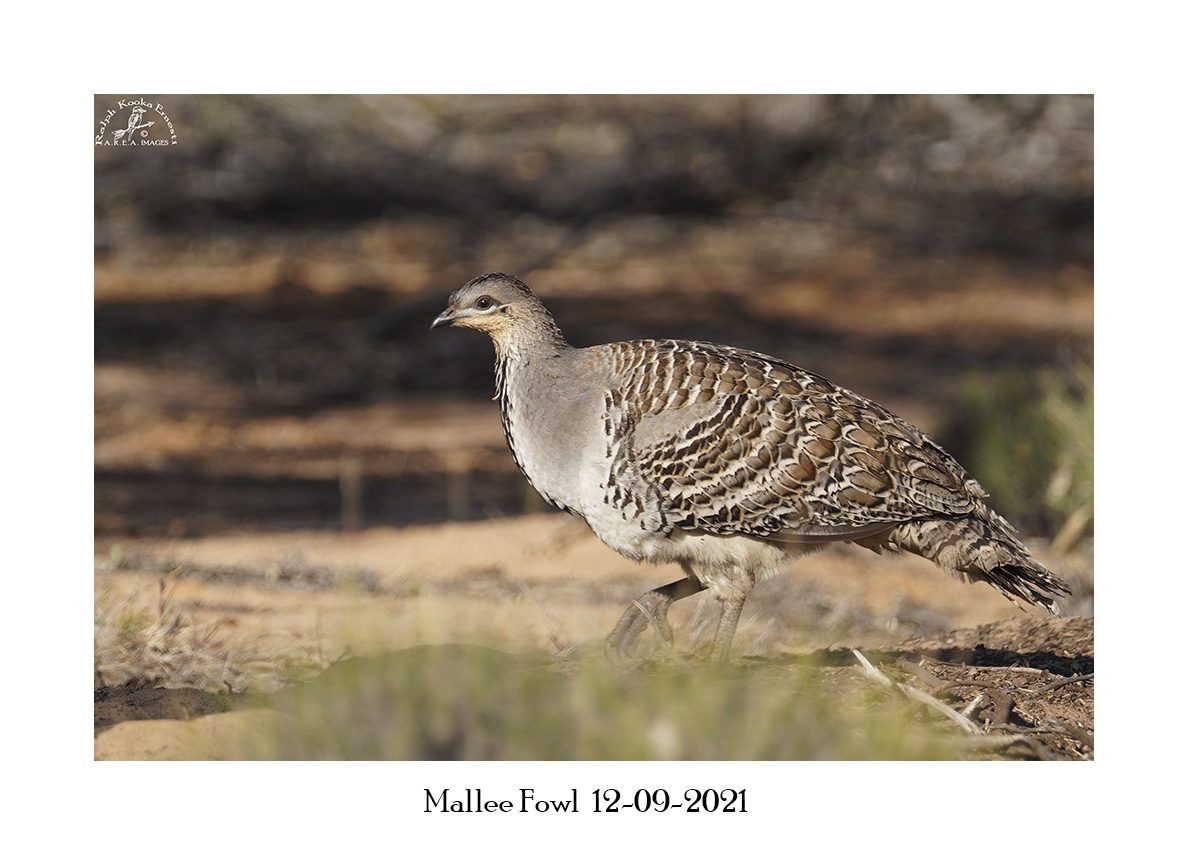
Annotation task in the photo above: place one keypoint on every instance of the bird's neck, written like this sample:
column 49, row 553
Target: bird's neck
column 541, row 339
column 527, row 364
column 521, row 349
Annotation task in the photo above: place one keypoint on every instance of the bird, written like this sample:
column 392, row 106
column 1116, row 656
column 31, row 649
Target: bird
column 726, row 461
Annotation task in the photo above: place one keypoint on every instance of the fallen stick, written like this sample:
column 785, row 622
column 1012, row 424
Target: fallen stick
column 872, row 672
column 912, row 692
column 1056, row 684
column 949, row 685
column 940, row 662
column 1003, row 707
column 1002, row 741
column 969, row 710
column 1075, row 731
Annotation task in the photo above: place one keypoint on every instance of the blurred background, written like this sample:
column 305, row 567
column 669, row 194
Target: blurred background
column 279, row 436
column 263, row 289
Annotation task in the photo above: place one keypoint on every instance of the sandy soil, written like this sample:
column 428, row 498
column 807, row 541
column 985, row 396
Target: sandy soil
column 540, row 583
column 520, row 574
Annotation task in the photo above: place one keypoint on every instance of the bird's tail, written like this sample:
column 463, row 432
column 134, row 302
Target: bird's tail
column 981, row 546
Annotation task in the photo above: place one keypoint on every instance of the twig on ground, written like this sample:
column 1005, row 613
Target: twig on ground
column 1004, row 741
column 872, row 672
column 1077, row 733
column 1072, row 680
column 912, row 692
column 1025, row 669
column 919, row 672
column 969, row 710
column 1003, row 707
column 983, row 685
column 1054, row 727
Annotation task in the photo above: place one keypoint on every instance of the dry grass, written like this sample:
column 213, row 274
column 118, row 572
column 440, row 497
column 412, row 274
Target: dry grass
column 481, row 640
column 165, row 647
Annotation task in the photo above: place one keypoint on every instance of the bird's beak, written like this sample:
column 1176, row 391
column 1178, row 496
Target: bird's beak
column 443, row 320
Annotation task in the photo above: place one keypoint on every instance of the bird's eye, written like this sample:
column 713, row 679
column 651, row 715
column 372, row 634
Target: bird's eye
column 483, row 303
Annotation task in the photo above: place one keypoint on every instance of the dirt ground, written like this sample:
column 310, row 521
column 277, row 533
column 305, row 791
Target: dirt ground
column 543, row 583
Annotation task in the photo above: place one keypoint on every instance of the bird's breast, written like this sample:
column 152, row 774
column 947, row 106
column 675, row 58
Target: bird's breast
column 548, row 433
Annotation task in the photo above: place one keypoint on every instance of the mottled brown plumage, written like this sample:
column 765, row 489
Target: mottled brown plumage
column 726, row 461
column 783, row 454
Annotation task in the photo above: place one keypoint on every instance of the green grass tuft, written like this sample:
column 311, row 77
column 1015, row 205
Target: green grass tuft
column 455, row 702
column 1030, row 441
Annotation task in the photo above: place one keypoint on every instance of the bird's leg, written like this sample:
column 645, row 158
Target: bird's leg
column 732, row 605
column 732, row 595
column 650, row 608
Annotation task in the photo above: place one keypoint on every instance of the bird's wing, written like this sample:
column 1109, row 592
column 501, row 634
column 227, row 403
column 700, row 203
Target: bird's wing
column 732, row 441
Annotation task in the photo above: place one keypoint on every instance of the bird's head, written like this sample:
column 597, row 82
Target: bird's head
column 499, row 305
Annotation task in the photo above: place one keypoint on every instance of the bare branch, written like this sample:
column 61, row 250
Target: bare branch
column 912, row 692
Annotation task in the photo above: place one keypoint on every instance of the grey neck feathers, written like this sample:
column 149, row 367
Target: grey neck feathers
column 536, row 337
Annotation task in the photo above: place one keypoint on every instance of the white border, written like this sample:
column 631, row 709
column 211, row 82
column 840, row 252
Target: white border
column 1127, row 60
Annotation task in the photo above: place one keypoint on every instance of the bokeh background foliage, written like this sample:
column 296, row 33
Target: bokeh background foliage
column 917, row 249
